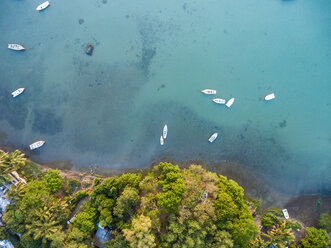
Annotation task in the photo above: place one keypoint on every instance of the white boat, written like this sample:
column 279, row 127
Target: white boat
column 269, row 97
column 165, row 131
column 37, row 144
column 213, row 137
column 17, row 92
column 43, row 6
column 230, row 102
column 16, row 47
column 161, row 140
column 209, row 91
column 285, row 213
column 219, row 100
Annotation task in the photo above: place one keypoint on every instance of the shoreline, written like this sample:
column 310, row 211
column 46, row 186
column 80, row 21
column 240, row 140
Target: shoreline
column 302, row 206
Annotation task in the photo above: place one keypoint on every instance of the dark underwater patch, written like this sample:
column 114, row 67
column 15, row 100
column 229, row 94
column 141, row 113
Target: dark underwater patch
column 45, row 122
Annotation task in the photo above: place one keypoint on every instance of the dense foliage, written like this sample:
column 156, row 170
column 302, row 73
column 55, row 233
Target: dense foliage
column 167, row 207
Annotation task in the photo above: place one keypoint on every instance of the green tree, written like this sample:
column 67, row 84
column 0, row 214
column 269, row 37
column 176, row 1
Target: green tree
column 170, row 179
column 53, row 180
column 233, row 213
column 86, row 220
column 125, row 203
column 315, row 238
column 325, row 222
column 140, row 236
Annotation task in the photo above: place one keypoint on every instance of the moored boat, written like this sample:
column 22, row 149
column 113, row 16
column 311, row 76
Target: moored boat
column 16, row 47
column 17, row 92
column 165, row 131
column 230, row 102
column 209, row 91
column 219, row 100
column 161, row 140
column 37, row 144
column 43, row 6
column 213, row 137
column 270, row 97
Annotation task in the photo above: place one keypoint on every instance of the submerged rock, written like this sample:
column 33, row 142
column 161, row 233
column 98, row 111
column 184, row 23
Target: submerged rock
column 81, row 21
column 89, row 49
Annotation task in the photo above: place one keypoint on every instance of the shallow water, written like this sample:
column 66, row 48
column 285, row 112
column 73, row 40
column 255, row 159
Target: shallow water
column 150, row 61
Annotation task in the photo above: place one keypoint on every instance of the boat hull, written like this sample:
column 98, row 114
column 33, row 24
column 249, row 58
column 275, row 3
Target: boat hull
column 209, row 91
column 230, row 102
column 161, row 140
column 43, row 6
column 219, row 101
column 213, row 137
column 37, row 144
column 17, row 92
column 269, row 97
column 16, row 47
column 165, row 131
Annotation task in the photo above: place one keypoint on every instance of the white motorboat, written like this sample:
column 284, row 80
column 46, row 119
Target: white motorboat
column 16, row 47
column 219, row 100
column 230, row 102
column 270, row 97
column 37, row 144
column 17, row 92
column 209, row 91
column 161, row 140
column 165, row 131
column 285, row 213
column 43, row 6
column 213, row 137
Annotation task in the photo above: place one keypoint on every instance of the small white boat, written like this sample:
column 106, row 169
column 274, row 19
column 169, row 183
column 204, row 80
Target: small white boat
column 285, row 213
column 165, row 131
column 269, row 97
column 219, row 100
column 230, row 102
column 213, row 137
column 43, row 6
column 16, row 47
column 17, row 92
column 161, row 140
column 37, row 144
column 209, row 91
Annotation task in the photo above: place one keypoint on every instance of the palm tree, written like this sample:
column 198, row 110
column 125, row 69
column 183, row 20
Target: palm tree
column 44, row 226
column 280, row 235
column 11, row 161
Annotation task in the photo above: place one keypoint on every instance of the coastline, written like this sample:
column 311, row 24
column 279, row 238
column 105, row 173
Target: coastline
column 301, row 206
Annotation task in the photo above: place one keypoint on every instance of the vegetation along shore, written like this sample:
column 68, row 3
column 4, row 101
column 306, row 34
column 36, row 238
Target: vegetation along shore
column 164, row 206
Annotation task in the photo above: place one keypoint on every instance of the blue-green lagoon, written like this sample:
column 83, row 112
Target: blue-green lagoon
column 150, row 61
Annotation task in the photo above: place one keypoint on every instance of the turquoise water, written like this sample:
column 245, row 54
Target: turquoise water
column 150, row 61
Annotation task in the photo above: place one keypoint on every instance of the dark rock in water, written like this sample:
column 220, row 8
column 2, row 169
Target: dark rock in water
column 89, row 49
column 282, row 124
column 104, row 1
column 81, row 21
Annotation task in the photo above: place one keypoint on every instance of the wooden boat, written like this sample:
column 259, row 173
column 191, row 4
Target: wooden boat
column 270, row 97
column 16, row 47
column 161, row 140
column 213, row 137
column 43, row 6
column 230, row 102
column 219, row 100
column 17, row 92
column 209, row 91
column 165, row 131
column 37, row 144
column 89, row 49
